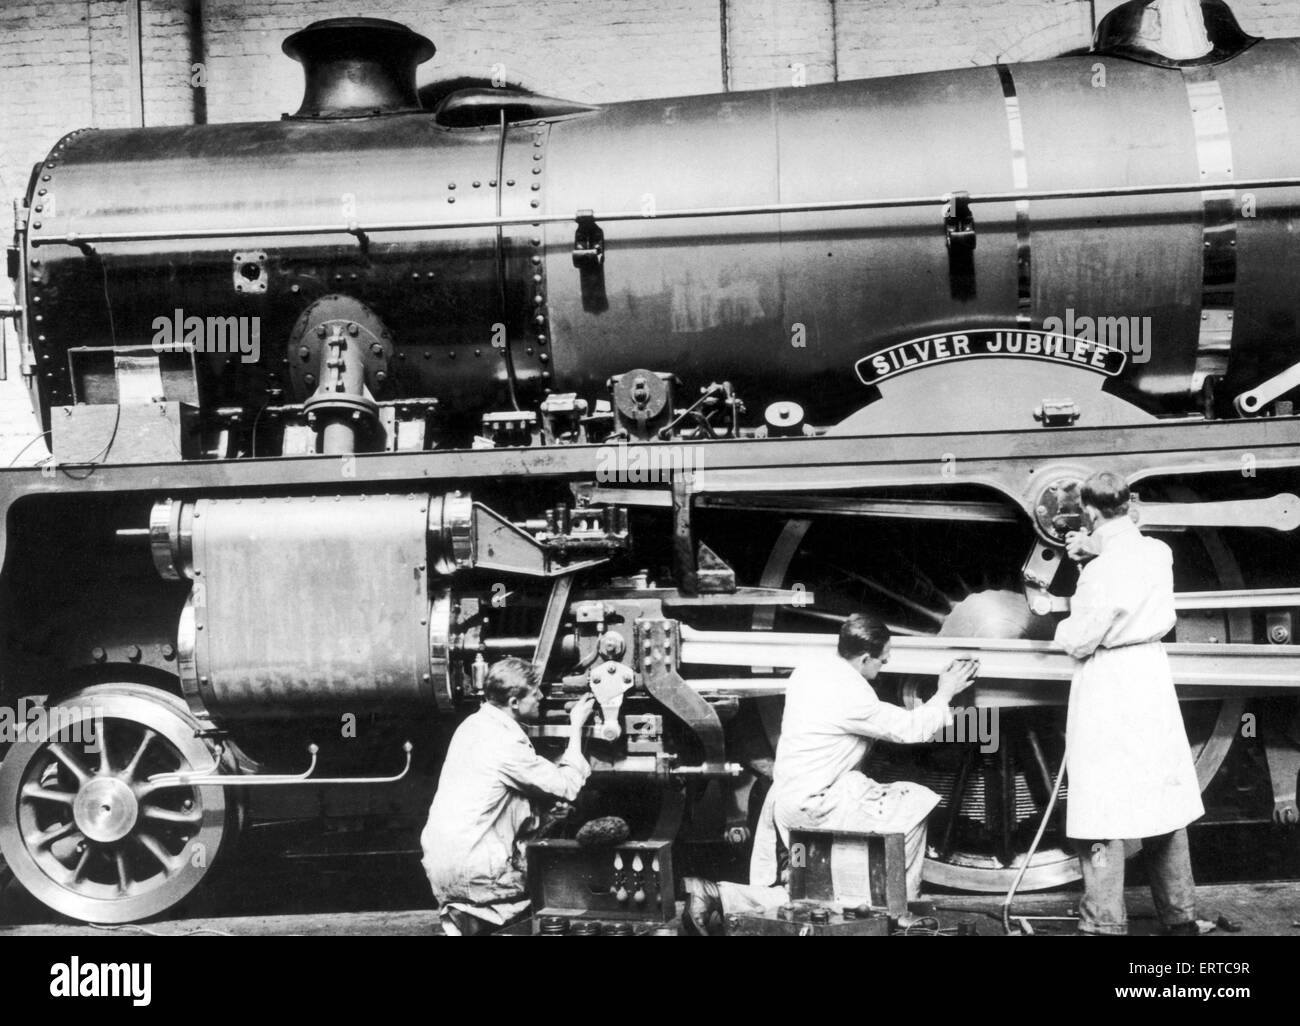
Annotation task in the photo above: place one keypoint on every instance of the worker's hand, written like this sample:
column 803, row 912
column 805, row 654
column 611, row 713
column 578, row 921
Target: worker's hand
column 1080, row 546
column 560, row 811
column 581, row 711
column 959, row 675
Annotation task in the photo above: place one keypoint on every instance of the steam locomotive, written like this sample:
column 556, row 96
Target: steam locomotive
column 343, row 407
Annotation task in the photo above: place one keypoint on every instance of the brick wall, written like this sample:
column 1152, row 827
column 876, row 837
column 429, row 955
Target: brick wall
column 64, row 63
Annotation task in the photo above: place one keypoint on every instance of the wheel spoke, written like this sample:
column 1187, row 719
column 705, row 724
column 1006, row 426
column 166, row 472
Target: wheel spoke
column 1007, row 786
column 955, row 798
column 902, row 600
column 145, row 739
column 104, row 766
column 161, row 815
column 46, row 837
column 815, row 615
column 123, row 880
column 49, row 794
column 79, row 873
column 150, row 844
column 1035, row 747
column 915, row 573
column 74, row 766
column 1044, row 773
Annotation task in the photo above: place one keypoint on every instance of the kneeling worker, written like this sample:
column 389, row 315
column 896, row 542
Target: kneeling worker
column 483, row 810
column 832, row 716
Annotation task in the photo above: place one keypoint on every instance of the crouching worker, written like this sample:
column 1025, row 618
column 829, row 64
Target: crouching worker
column 832, row 717
column 483, row 811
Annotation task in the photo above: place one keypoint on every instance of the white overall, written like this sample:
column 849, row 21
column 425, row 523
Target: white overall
column 1129, row 766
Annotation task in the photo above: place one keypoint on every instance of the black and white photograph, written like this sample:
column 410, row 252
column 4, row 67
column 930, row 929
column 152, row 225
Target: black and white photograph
column 606, row 468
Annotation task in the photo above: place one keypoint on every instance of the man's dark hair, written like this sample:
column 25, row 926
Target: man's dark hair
column 1108, row 492
column 509, row 678
column 862, row 633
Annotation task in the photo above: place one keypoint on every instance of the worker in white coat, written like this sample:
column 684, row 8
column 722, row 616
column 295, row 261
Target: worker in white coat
column 484, row 809
column 1128, row 762
column 832, row 718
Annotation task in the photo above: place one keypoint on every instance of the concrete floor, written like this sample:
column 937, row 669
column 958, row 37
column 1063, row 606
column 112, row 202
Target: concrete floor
column 1261, row 909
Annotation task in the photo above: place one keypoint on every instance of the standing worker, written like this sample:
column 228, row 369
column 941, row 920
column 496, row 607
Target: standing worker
column 1127, row 757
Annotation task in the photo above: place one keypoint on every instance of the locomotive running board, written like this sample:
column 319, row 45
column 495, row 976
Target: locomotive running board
column 1199, row 671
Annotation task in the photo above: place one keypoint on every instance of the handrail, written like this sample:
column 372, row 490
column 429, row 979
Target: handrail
column 73, row 238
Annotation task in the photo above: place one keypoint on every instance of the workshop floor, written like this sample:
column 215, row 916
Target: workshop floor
column 1261, row 909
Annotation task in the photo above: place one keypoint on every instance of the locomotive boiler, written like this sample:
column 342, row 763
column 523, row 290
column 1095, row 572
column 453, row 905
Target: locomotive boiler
column 345, row 406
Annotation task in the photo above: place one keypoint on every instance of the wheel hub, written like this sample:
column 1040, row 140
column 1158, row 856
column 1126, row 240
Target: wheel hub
column 105, row 809
column 90, row 837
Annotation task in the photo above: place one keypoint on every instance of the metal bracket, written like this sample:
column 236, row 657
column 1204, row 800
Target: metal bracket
column 959, row 222
column 498, row 544
column 248, row 271
column 556, row 606
column 1057, row 412
column 1250, row 404
column 1037, row 574
column 588, row 241
column 959, row 234
column 609, row 681
column 8, row 312
column 589, row 259
column 712, row 574
column 657, row 648
column 684, row 567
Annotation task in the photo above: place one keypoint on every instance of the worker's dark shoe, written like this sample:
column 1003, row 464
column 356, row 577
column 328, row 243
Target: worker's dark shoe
column 1191, row 928
column 702, row 916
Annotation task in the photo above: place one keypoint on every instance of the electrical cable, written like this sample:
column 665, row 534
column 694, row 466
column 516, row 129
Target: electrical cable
column 155, row 933
column 29, row 444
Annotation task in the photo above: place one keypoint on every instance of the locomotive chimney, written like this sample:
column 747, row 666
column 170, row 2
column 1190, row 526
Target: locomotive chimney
column 1172, row 33
column 357, row 67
